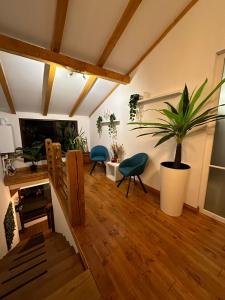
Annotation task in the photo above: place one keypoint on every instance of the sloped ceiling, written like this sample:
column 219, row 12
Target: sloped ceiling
column 89, row 25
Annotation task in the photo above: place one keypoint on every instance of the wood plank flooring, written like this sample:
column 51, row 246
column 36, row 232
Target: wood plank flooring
column 135, row 251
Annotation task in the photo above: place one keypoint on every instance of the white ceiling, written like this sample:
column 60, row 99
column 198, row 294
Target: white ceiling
column 25, row 79
column 98, row 92
column 29, row 20
column 65, row 91
column 89, row 24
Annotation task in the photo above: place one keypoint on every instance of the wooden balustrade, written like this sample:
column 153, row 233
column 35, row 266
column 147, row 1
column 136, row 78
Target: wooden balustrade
column 68, row 180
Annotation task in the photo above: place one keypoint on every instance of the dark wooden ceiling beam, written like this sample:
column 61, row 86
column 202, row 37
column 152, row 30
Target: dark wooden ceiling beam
column 48, row 79
column 6, row 91
column 89, row 84
column 60, row 19
column 152, row 47
column 49, row 70
column 15, row 46
column 121, row 26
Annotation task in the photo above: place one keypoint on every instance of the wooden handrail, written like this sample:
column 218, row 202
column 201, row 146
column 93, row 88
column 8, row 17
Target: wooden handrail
column 68, row 180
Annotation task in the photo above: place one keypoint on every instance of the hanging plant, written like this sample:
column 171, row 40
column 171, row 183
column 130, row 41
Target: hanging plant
column 112, row 125
column 133, row 105
column 99, row 125
column 9, row 225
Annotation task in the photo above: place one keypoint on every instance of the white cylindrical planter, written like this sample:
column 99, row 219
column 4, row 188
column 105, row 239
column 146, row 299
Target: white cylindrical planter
column 173, row 184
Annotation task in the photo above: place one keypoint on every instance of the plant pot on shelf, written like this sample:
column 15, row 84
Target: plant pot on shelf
column 173, row 185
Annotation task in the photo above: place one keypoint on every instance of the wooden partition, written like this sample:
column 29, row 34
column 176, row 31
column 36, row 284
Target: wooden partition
column 68, row 180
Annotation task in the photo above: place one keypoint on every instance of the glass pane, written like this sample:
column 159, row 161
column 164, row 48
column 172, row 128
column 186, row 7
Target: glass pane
column 215, row 196
column 218, row 153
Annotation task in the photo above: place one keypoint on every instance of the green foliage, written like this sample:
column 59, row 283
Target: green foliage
column 178, row 121
column 112, row 125
column 32, row 153
column 99, row 125
column 68, row 135
column 133, row 105
column 81, row 141
column 9, row 225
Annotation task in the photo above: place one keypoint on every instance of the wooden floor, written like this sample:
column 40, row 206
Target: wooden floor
column 135, row 251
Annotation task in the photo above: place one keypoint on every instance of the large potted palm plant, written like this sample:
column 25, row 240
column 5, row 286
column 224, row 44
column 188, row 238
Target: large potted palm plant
column 176, row 123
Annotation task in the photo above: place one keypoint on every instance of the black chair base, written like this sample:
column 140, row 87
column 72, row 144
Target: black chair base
column 94, row 165
column 128, row 188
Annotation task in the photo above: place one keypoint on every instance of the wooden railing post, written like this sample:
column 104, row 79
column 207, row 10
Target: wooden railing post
column 57, row 155
column 49, row 156
column 69, row 181
column 75, row 175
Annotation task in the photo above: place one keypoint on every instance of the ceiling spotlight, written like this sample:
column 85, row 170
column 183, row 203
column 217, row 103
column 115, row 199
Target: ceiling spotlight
column 70, row 74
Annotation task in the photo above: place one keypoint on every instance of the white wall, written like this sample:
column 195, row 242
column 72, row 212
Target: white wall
column 61, row 225
column 186, row 55
column 83, row 122
column 5, row 198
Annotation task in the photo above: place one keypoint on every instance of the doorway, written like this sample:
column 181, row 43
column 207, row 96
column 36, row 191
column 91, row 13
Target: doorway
column 213, row 196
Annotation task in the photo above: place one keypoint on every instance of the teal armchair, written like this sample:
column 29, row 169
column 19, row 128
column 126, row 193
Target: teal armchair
column 98, row 154
column 133, row 166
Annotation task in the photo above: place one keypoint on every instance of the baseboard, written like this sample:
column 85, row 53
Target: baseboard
column 157, row 192
column 192, row 208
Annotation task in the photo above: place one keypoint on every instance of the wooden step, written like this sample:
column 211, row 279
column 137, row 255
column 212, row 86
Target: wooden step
column 50, row 260
column 23, row 262
column 81, row 287
column 23, row 279
column 55, row 244
column 56, row 277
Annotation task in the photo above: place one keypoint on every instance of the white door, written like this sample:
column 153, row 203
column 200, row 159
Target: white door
column 213, row 192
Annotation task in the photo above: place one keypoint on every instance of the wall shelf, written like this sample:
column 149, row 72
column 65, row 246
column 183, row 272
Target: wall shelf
column 107, row 122
column 160, row 97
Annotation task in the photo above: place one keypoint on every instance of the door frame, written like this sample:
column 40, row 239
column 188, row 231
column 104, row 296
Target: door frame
column 210, row 131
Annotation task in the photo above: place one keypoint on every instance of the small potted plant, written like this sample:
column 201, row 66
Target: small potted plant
column 32, row 154
column 117, row 151
column 99, row 125
column 190, row 113
column 80, row 143
column 112, row 125
column 133, row 105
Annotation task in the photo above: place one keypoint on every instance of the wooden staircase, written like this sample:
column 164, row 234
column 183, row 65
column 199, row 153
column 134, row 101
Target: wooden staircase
column 45, row 267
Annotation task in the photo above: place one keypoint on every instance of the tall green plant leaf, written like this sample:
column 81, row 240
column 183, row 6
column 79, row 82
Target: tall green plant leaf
column 164, row 139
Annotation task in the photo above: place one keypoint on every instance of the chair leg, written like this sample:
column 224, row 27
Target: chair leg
column 104, row 167
column 128, row 187
column 134, row 180
column 119, row 183
column 93, row 167
column 142, row 184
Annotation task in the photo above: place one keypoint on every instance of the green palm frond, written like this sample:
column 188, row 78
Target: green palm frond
column 178, row 121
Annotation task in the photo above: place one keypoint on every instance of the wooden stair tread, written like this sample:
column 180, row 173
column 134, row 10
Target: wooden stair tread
column 58, row 243
column 81, row 287
column 23, row 279
column 51, row 268
column 49, row 282
column 51, row 260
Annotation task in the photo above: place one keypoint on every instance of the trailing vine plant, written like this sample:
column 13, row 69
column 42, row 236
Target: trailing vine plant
column 112, row 125
column 99, row 125
column 133, row 105
column 9, row 225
